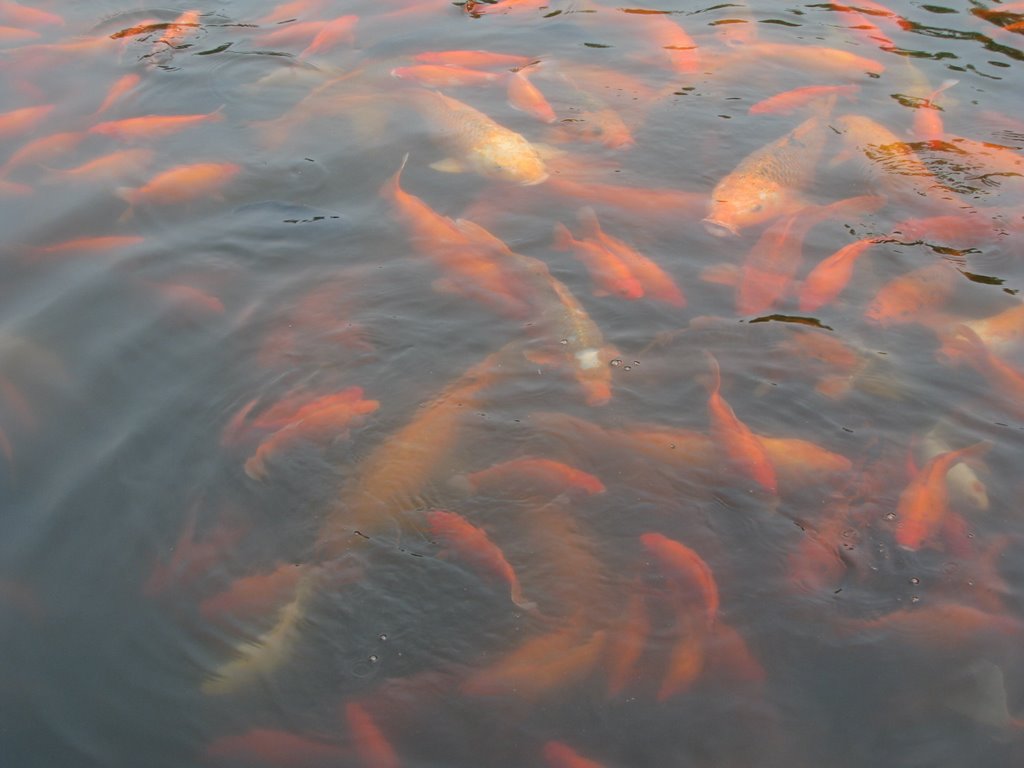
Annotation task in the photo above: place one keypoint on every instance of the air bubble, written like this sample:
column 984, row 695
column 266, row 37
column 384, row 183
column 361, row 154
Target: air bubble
column 915, row 580
column 374, row 658
column 616, row 362
column 383, row 638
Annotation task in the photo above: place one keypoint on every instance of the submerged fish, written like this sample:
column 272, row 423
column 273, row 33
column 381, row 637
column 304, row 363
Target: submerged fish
column 479, row 144
column 768, row 182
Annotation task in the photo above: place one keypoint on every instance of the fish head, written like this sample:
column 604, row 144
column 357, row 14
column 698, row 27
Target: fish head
column 509, row 157
column 746, row 202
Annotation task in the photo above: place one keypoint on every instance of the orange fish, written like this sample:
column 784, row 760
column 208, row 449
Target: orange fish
column 909, row 297
column 1007, row 379
column 938, row 627
column 17, row 35
column 655, row 281
column 153, row 126
column 295, row 33
column 552, row 475
column 191, row 559
column 688, row 568
column 731, row 658
column 473, row 545
column 1001, row 332
column 559, row 755
column 923, row 504
column 19, row 121
column 329, row 416
column 438, row 76
column 958, row 230
column 15, row 13
column 864, row 28
column 176, row 31
column 189, row 297
column 281, row 749
column 112, row 167
column 767, row 182
column 626, row 643
column 292, row 10
column 42, row 149
column 772, row 263
column 828, row 279
column 473, row 269
column 86, row 245
column 813, row 58
column 117, row 90
column 181, row 184
column 333, row 33
column 473, row 59
column 611, row 277
column 679, row 48
column 368, row 740
column 927, row 118
column 735, row 438
column 540, row 665
column 686, row 659
column 792, row 100
column 668, row 204
column 252, row 595
column 526, row 97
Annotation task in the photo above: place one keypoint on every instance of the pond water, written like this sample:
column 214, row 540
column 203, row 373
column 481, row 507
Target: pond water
column 514, row 384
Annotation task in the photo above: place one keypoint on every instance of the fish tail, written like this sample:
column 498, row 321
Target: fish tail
column 715, row 383
column 391, row 187
column 588, row 218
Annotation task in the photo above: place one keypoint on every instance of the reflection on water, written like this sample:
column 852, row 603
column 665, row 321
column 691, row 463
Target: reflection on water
column 511, row 383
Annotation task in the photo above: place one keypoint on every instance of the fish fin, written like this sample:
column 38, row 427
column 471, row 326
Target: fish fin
column 715, row 383
column 392, row 185
column 591, row 226
column 542, row 357
column 478, row 234
column 449, row 165
column 563, row 237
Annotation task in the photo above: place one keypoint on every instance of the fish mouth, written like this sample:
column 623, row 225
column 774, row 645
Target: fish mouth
column 719, row 228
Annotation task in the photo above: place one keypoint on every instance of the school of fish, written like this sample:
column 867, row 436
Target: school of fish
column 674, row 396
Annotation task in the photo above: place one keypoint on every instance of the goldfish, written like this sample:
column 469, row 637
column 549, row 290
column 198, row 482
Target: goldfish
column 473, row 545
column 600, row 124
column 800, row 463
column 87, row 245
column 1001, row 332
column 638, row 201
column 766, row 184
column 188, row 297
column 293, row 9
column 331, row 34
column 17, row 35
column 610, row 275
column 966, row 488
column 791, row 100
column 626, row 642
column 656, row 282
column 181, row 184
column 1007, row 379
column 153, row 126
column 547, row 473
column 252, row 595
column 686, row 659
column 20, row 121
column 474, row 59
column 191, row 558
column 731, row 657
column 539, row 665
column 176, row 31
column 479, row 144
column 16, row 13
column 828, row 279
column 909, row 297
column 680, row 51
column 470, row 262
column 368, row 740
column 927, row 120
column 122, row 86
column 923, row 503
column 813, row 58
column 864, row 28
column 327, row 416
column 559, row 755
column 268, row 746
column 939, row 627
column 735, row 438
column 106, row 168
column 687, row 568
column 38, row 150
column 526, row 97
column 439, row 76
column 771, row 264
column 294, row 33
column 581, row 342
column 958, row 230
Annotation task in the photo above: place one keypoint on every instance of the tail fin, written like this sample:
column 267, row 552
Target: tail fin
column 391, row 187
